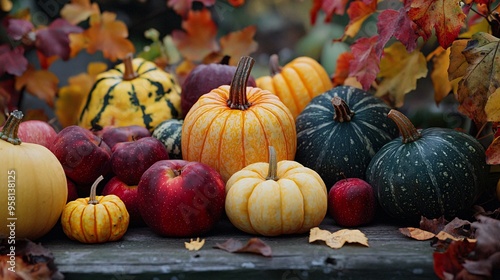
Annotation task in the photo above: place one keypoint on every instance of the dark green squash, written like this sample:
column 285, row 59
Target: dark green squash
column 431, row 172
column 339, row 132
column 169, row 133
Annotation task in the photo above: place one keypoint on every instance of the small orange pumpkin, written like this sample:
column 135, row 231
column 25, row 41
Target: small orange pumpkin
column 95, row 219
column 296, row 83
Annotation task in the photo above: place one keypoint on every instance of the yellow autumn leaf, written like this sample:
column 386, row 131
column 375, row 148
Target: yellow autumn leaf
column 194, row 245
column 400, row 71
column 492, row 107
column 416, row 233
column 79, row 10
column 337, row 239
column 439, row 75
column 482, row 26
column 5, row 5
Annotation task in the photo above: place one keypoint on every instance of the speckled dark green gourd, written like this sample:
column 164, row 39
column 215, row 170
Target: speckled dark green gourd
column 339, row 132
column 431, row 172
column 169, row 133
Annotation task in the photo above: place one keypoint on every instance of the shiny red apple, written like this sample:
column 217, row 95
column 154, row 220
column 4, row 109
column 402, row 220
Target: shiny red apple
column 37, row 132
column 114, row 135
column 83, row 155
column 128, row 194
column 129, row 160
column 72, row 190
column 352, row 202
column 181, row 198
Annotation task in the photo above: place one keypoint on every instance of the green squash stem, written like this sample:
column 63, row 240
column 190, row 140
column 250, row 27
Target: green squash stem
column 92, row 198
column 273, row 165
column 238, row 89
column 342, row 112
column 9, row 131
column 274, row 64
column 129, row 73
column 407, row 130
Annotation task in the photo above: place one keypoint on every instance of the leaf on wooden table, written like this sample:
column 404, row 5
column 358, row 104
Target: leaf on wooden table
column 79, row 10
column 432, row 225
column 12, row 60
column 41, row 83
column 358, row 12
column 459, row 228
column 194, row 245
column 198, row 37
column 337, row 239
column 254, row 245
column 444, row 17
column 451, row 259
column 239, row 43
column 366, row 62
column 329, row 7
column 400, row 71
column 417, row 233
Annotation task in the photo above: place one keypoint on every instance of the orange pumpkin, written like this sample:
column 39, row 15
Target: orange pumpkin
column 296, row 83
column 229, row 127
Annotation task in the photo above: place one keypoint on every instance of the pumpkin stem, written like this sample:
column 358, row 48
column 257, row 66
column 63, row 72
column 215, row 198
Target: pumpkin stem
column 274, row 64
column 273, row 165
column 342, row 112
column 238, row 89
column 92, row 198
column 129, row 73
column 407, row 130
column 9, row 131
column 225, row 60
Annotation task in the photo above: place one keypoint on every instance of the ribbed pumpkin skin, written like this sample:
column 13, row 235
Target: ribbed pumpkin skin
column 146, row 100
column 298, row 83
column 439, row 174
column 294, row 203
column 336, row 149
column 229, row 139
column 169, row 133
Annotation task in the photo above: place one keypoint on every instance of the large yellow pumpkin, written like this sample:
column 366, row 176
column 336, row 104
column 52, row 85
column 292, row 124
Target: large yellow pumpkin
column 135, row 92
column 231, row 126
column 33, row 185
column 296, row 83
column 276, row 198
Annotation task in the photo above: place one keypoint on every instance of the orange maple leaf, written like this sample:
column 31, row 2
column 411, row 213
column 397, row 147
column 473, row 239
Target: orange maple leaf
column 239, row 43
column 108, row 35
column 199, row 36
column 182, row 7
column 358, row 12
column 79, row 10
column 444, row 16
column 41, row 83
column 342, row 69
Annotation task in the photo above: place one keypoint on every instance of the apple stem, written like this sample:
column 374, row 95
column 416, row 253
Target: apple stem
column 342, row 112
column 9, row 131
column 238, row 89
column 129, row 73
column 406, row 128
column 274, row 65
column 225, row 60
column 177, row 172
column 92, row 198
column 273, row 165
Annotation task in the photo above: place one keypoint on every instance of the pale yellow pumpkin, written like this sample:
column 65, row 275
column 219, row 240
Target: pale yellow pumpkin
column 276, row 198
column 33, row 185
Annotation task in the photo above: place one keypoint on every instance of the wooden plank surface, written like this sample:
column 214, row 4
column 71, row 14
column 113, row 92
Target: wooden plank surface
column 141, row 254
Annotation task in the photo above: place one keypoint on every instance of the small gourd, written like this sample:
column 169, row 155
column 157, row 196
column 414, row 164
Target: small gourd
column 432, row 172
column 135, row 92
column 33, row 185
column 95, row 219
column 169, row 133
column 276, row 198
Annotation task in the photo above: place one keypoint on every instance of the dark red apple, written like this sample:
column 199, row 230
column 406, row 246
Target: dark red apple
column 72, row 190
column 83, row 155
column 37, row 132
column 202, row 79
column 181, row 198
column 129, row 160
column 352, row 202
column 119, row 134
column 128, row 194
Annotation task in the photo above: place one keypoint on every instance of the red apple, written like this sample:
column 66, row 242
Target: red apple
column 37, row 132
column 113, row 135
column 128, row 194
column 352, row 202
column 72, row 190
column 181, row 198
column 83, row 155
column 129, row 160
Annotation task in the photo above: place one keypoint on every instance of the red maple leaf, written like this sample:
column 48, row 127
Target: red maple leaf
column 451, row 261
column 398, row 24
column 366, row 62
column 330, row 7
column 54, row 40
column 358, row 12
column 342, row 68
column 444, row 16
column 12, row 60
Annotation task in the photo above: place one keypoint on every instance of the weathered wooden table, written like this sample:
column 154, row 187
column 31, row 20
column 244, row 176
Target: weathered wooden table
column 141, row 254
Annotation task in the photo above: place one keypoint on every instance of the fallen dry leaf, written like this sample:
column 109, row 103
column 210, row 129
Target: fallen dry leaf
column 432, row 225
column 416, row 233
column 194, row 245
column 254, row 245
column 338, row 238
